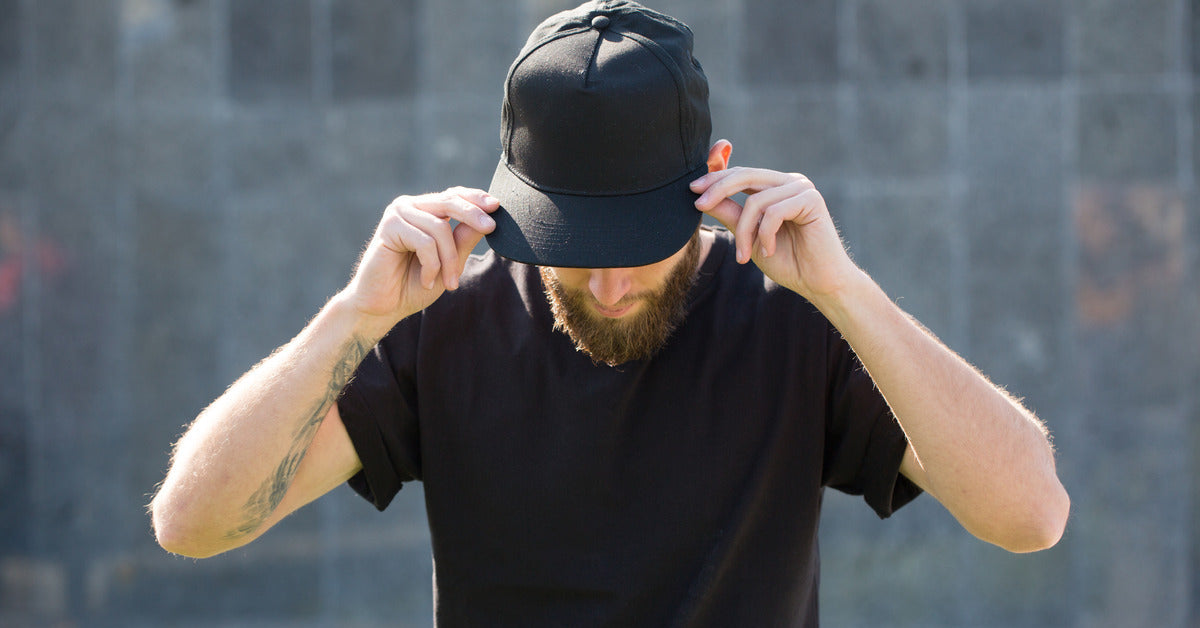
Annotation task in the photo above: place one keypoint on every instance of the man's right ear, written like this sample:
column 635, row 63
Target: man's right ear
column 718, row 155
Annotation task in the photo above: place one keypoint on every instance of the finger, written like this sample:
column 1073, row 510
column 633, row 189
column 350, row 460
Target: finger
column 722, row 184
column 439, row 229
column 403, row 237
column 465, row 205
column 477, row 197
column 746, row 232
column 794, row 202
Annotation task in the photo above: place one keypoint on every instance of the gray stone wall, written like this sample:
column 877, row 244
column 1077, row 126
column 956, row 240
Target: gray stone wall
column 184, row 182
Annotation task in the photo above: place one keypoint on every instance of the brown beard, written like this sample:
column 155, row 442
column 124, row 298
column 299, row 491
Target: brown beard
column 636, row 337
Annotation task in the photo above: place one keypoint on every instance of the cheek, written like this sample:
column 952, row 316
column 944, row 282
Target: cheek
column 572, row 279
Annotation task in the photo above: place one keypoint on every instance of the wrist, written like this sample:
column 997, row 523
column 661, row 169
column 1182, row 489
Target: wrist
column 361, row 323
column 853, row 292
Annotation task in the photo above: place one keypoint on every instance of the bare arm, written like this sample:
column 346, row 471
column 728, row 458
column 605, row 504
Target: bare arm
column 973, row 447
column 274, row 440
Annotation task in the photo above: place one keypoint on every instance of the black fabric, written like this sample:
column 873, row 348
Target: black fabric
column 681, row 490
column 605, row 117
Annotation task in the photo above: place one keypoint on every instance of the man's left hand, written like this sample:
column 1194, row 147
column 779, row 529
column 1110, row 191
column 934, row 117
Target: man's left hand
column 784, row 227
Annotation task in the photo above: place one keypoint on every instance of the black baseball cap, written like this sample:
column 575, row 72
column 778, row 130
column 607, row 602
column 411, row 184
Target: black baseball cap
column 605, row 123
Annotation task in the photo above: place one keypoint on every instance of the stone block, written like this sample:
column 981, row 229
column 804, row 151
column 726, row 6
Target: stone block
column 1193, row 38
column 375, row 49
column 20, row 263
column 74, row 46
column 1126, row 137
column 881, row 572
column 1015, row 137
column 290, row 252
column 236, row 588
column 171, row 155
column 374, row 147
column 1135, row 332
column 386, row 580
column 34, row 589
column 906, row 41
column 904, row 240
column 1143, row 580
column 273, row 151
column 792, row 131
column 715, row 38
column 270, row 57
column 465, row 144
column 81, row 387
column 1015, row 39
column 901, row 132
column 1018, row 285
column 466, row 48
column 1019, row 291
column 10, row 40
column 14, row 468
column 920, row 568
column 180, row 314
column 1125, row 37
column 789, row 43
column 171, row 49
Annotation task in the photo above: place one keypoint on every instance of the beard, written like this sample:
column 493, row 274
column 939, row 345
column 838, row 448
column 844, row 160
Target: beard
column 635, row 337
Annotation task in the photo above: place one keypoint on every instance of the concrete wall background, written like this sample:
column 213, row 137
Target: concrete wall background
column 183, row 183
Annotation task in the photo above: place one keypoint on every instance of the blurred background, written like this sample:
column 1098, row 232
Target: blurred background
column 184, row 182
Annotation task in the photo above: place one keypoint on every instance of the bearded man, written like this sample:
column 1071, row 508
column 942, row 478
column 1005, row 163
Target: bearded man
column 618, row 419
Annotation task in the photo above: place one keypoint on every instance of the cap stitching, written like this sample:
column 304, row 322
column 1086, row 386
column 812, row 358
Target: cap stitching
column 506, row 114
column 685, row 117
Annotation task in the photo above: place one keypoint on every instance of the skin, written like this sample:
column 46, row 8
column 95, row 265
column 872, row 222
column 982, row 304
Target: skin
column 274, row 441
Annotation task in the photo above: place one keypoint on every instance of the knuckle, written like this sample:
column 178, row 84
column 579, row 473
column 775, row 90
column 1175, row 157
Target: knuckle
column 397, row 204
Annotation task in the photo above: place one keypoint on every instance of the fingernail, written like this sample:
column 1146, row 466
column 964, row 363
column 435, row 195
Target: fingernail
column 763, row 250
column 485, row 221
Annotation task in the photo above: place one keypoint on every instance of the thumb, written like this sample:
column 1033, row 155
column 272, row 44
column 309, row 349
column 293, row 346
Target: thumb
column 466, row 239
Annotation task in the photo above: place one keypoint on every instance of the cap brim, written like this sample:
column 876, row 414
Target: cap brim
column 572, row 231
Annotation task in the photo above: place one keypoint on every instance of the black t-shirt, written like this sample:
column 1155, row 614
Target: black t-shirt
column 680, row 490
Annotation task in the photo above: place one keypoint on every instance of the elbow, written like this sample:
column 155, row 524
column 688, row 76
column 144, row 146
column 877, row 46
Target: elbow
column 1039, row 527
column 178, row 534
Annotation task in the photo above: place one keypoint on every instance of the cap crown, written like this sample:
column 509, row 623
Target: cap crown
column 605, row 99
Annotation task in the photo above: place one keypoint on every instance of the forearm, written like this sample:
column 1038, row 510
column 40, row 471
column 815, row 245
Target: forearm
column 232, row 468
column 979, row 452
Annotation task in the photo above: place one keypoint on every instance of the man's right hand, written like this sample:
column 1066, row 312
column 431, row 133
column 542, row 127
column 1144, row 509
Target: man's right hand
column 416, row 252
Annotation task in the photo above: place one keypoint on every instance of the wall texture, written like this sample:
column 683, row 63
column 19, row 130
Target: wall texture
column 183, row 183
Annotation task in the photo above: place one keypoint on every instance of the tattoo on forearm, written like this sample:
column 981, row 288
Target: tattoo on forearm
column 266, row 499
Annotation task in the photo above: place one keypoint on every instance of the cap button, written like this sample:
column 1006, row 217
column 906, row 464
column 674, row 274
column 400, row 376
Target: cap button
column 600, row 22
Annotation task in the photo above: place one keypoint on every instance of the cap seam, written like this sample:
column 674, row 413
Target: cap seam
column 548, row 190
column 676, row 75
column 506, row 141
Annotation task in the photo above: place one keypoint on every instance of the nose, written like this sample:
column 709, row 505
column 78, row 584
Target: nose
column 609, row 285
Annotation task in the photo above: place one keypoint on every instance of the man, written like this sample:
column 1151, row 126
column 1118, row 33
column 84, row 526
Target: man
column 618, row 419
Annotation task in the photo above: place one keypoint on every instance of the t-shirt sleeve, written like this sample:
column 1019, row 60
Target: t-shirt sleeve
column 864, row 443
column 378, row 408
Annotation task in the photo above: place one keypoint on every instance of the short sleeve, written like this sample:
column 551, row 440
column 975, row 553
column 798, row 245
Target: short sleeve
column 864, row 444
column 378, row 408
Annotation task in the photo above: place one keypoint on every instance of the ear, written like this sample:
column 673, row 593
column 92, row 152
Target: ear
column 718, row 155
